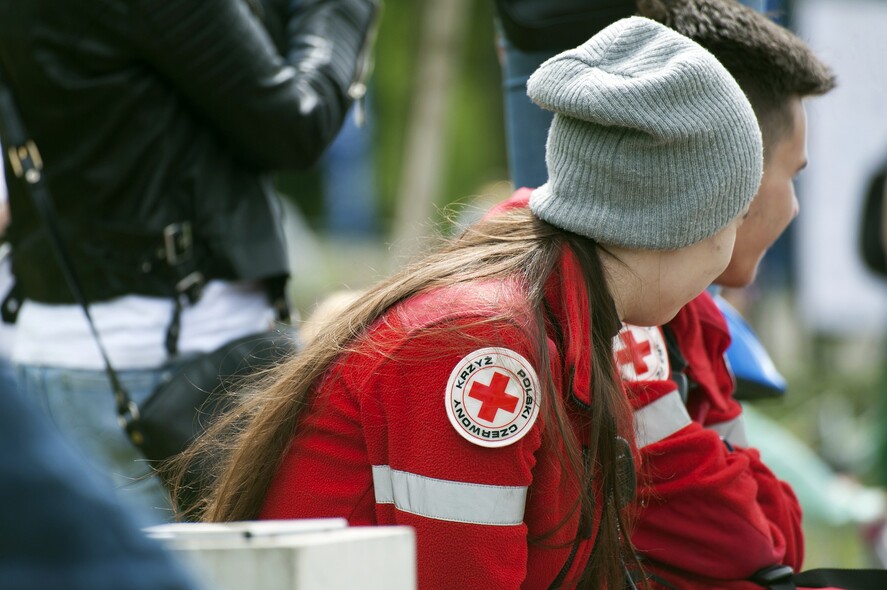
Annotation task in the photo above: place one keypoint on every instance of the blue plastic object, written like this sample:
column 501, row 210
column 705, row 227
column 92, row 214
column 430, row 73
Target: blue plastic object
column 756, row 375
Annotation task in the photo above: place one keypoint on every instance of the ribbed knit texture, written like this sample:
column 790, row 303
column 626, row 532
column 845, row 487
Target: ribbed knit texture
column 653, row 144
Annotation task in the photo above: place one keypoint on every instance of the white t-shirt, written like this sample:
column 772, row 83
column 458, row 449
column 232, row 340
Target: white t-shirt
column 7, row 331
column 133, row 328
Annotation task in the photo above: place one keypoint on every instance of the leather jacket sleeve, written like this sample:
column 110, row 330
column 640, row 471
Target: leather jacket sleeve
column 276, row 111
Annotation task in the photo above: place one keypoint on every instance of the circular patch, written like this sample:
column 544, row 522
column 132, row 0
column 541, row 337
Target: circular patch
column 641, row 354
column 492, row 397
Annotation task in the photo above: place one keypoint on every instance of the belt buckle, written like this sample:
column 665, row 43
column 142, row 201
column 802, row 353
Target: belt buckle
column 178, row 243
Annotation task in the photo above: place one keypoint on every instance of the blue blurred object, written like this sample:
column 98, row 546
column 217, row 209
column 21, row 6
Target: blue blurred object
column 349, row 182
column 756, row 375
column 759, row 5
column 62, row 527
column 526, row 125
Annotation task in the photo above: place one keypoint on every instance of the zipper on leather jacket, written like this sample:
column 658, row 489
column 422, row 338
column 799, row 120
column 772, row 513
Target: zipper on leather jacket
column 358, row 88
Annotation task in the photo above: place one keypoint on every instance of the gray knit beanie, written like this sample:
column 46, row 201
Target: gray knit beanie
column 653, row 144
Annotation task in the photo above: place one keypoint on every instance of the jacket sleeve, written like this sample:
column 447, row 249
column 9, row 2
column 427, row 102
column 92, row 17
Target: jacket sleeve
column 707, row 514
column 465, row 501
column 277, row 111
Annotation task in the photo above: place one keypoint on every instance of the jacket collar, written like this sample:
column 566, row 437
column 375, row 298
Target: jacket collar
column 566, row 300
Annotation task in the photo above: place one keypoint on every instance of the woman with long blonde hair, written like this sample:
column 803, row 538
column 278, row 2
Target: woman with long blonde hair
column 473, row 396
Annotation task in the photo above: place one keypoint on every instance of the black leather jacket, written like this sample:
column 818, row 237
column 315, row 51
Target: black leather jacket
column 156, row 117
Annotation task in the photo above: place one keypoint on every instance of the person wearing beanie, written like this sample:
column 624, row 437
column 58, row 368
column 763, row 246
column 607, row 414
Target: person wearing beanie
column 474, row 395
column 645, row 153
column 708, row 512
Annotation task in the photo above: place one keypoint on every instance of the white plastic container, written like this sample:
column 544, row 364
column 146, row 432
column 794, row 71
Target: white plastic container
column 323, row 554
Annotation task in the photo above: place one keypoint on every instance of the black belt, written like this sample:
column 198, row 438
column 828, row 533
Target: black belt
column 163, row 263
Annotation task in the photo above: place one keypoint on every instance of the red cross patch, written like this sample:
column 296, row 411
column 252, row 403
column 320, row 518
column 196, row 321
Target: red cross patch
column 492, row 397
column 641, row 354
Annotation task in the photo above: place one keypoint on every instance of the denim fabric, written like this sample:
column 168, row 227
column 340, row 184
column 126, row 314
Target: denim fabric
column 759, row 5
column 81, row 404
column 8, row 378
column 526, row 125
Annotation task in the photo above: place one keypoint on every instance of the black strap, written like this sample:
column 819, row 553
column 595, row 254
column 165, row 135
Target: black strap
column 782, row 577
column 26, row 164
column 561, row 575
column 678, row 363
column 856, row 579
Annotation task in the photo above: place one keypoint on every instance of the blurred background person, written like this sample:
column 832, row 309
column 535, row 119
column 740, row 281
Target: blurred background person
column 159, row 124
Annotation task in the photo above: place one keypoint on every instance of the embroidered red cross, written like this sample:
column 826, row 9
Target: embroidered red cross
column 634, row 352
column 493, row 397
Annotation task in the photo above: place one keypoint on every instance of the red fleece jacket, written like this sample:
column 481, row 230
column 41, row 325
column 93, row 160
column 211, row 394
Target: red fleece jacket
column 379, row 447
column 710, row 516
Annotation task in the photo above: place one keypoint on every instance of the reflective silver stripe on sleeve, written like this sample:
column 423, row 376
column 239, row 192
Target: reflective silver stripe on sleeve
column 733, row 431
column 449, row 500
column 660, row 419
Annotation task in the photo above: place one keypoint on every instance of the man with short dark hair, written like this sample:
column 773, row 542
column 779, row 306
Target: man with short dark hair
column 710, row 514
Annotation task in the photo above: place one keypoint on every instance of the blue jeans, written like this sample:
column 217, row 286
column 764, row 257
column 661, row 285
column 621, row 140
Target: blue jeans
column 81, row 403
column 526, row 125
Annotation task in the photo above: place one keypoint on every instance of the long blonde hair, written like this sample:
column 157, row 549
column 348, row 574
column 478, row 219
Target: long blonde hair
column 243, row 450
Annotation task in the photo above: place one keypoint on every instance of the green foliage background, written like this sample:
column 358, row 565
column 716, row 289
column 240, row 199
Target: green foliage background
column 475, row 140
